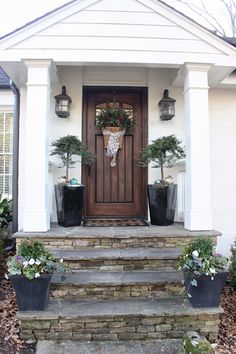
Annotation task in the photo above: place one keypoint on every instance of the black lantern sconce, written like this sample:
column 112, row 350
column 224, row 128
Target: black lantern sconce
column 167, row 106
column 63, row 101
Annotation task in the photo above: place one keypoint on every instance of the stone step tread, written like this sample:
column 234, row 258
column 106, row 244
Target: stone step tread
column 173, row 231
column 167, row 346
column 117, row 278
column 100, row 309
column 116, row 253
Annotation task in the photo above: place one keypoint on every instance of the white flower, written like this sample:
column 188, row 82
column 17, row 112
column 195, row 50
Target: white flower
column 195, row 253
column 212, row 270
column 31, row 261
column 37, row 275
column 6, row 276
column 61, row 260
column 25, row 263
column 37, row 262
column 194, row 343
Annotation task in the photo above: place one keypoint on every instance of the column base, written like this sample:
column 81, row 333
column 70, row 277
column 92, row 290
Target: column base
column 36, row 221
column 198, row 220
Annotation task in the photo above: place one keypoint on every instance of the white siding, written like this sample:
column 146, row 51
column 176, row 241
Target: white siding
column 140, row 30
column 119, row 31
column 223, row 164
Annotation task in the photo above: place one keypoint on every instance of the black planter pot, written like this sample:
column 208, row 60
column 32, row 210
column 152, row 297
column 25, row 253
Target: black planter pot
column 162, row 202
column 69, row 202
column 31, row 295
column 207, row 292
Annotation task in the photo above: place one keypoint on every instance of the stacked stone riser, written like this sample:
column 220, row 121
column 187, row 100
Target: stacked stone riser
column 123, row 287
column 122, row 264
column 78, row 243
column 120, row 328
column 162, row 291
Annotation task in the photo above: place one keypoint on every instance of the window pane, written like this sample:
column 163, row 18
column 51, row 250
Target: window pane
column 6, row 185
column 1, row 142
column 9, row 123
column 8, row 164
column 6, row 148
column 1, row 122
column 8, row 143
column 1, row 184
column 1, row 163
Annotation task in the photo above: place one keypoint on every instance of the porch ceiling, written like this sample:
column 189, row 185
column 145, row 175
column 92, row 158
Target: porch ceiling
column 219, row 76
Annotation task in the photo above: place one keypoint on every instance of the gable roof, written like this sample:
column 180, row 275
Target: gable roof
column 230, row 40
column 4, row 80
column 36, row 19
column 134, row 31
column 227, row 39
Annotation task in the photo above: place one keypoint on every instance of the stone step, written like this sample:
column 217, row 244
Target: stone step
column 120, row 319
column 112, row 285
column 163, row 346
column 120, row 259
column 76, row 238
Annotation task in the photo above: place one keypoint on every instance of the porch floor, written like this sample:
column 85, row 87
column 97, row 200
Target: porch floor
column 175, row 230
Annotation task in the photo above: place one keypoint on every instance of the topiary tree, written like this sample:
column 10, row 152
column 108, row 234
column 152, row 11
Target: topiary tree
column 163, row 152
column 69, row 146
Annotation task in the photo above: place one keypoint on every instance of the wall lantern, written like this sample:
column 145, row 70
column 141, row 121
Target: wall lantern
column 167, row 106
column 63, row 101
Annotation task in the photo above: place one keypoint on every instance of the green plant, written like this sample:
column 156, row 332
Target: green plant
column 33, row 260
column 199, row 257
column 5, row 218
column 113, row 116
column 69, row 146
column 163, row 152
column 232, row 268
column 5, row 211
column 196, row 344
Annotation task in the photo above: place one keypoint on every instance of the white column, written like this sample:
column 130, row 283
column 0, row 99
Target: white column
column 36, row 215
column 198, row 215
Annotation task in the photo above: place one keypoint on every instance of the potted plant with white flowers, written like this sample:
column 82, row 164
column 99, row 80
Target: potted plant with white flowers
column 30, row 272
column 205, row 272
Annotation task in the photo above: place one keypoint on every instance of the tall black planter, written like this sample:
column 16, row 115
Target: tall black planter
column 207, row 292
column 31, row 295
column 69, row 202
column 162, row 201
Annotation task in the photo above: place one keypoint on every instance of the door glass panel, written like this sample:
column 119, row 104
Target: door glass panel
column 127, row 107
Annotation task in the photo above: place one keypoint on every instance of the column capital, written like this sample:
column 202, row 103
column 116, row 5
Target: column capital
column 37, row 63
column 199, row 67
column 41, row 71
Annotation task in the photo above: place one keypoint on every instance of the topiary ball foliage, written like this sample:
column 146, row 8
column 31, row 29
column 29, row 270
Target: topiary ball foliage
column 163, row 152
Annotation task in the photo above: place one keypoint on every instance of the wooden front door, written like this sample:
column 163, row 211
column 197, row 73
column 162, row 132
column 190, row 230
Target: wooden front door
column 118, row 191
